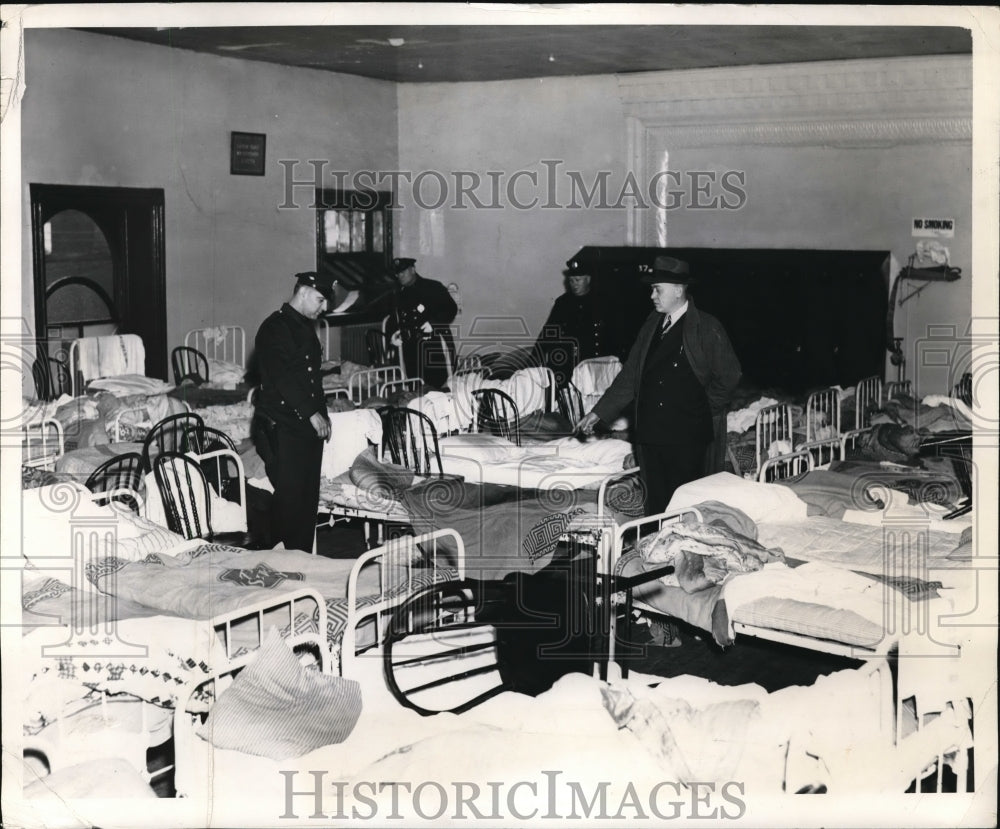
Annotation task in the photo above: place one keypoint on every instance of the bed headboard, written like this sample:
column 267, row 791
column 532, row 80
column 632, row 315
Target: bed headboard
column 798, row 319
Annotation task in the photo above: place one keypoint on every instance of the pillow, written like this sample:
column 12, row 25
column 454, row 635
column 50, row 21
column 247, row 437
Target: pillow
column 760, row 502
column 276, row 708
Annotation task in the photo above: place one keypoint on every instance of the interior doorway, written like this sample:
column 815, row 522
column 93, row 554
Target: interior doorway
column 98, row 259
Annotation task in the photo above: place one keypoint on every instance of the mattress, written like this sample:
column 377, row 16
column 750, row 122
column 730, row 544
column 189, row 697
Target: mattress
column 862, row 547
column 812, row 620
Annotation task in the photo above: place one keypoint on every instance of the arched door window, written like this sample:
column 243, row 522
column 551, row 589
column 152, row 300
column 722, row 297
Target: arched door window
column 79, row 278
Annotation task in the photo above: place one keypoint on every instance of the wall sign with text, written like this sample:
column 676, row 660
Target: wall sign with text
column 941, row 228
column 246, row 154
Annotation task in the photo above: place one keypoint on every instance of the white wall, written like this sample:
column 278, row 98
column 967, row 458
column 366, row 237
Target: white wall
column 836, row 155
column 508, row 262
column 105, row 111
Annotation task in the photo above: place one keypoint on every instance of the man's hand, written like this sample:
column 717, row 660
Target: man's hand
column 587, row 424
column 396, row 339
column 321, row 425
column 426, row 328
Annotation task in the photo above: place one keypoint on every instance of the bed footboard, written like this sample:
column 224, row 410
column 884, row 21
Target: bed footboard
column 42, row 443
column 404, row 565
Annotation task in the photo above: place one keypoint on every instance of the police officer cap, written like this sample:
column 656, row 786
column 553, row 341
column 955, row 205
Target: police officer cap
column 402, row 263
column 667, row 269
column 322, row 282
column 574, row 267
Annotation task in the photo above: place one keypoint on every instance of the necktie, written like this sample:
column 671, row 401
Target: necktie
column 666, row 325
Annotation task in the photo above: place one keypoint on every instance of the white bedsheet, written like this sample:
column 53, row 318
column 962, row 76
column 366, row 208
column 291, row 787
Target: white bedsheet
column 566, row 463
column 350, row 434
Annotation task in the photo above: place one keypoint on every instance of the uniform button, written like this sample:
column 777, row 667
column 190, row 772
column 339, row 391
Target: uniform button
column 310, row 368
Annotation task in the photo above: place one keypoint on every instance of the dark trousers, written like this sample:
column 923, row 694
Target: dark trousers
column 292, row 461
column 664, row 468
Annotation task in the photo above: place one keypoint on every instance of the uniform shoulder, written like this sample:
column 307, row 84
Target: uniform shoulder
column 273, row 322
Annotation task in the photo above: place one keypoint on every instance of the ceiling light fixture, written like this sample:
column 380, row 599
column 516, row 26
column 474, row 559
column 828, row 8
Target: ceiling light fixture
column 396, row 41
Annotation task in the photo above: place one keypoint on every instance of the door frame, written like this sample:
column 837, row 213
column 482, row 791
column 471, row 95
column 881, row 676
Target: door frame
column 49, row 199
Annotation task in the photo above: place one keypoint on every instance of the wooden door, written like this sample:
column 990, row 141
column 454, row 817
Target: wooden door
column 98, row 257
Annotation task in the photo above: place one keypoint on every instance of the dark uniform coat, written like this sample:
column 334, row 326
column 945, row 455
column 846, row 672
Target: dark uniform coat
column 578, row 328
column 288, row 356
column 425, row 300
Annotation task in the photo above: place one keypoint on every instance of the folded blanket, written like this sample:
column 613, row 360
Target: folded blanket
column 111, row 356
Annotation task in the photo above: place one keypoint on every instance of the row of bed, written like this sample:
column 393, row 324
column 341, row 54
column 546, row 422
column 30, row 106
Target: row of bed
column 135, row 636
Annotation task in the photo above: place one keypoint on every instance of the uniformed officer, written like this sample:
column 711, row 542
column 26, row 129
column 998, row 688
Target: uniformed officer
column 290, row 418
column 421, row 324
column 580, row 325
column 680, row 375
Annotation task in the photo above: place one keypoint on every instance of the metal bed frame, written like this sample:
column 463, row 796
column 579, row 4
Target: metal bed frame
column 225, row 343
column 411, row 554
column 774, row 425
column 42, row 443
column 261, row 616
column 823, row 418
column 825, row 440
column 888, row 684
column 867, row 399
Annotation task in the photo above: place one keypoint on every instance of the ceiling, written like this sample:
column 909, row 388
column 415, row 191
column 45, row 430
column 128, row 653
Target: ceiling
column 490, row 53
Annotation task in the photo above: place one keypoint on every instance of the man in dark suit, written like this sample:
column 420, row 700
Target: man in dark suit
column 679, row 375
column 290, row 421
column 421, row 325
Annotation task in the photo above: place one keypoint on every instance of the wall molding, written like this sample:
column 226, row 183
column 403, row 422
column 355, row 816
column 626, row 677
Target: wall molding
column 848, row 104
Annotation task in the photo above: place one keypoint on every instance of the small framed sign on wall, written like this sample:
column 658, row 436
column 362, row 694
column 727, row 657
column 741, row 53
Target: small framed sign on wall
column 246, row 154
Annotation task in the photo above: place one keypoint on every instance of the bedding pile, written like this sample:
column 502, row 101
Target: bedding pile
column 705, row 554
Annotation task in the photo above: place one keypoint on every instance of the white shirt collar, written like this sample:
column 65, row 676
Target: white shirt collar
column 676, row 315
